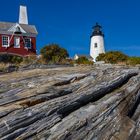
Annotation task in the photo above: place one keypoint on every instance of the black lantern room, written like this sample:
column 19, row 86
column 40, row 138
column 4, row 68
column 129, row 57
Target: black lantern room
column 97, row 30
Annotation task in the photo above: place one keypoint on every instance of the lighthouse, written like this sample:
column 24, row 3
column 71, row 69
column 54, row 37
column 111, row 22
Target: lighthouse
column 97, row 42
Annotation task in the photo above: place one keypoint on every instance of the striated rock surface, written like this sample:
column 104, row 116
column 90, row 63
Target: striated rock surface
column 71, row 103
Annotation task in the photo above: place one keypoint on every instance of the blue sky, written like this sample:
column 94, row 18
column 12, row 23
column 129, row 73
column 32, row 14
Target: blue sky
column 69, row 22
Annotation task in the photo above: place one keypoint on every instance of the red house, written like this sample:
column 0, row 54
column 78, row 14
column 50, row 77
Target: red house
column 18, row 38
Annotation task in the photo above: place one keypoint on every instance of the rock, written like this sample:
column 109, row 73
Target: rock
column 66, row 103
column 31, row 84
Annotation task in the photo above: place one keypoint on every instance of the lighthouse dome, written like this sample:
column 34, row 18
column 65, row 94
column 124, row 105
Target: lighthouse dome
column 97, row 30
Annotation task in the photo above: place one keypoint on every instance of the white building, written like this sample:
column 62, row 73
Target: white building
column 97, row 42
column 76, row 56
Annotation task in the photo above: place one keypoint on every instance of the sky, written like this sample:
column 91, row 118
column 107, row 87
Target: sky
column 69, row 22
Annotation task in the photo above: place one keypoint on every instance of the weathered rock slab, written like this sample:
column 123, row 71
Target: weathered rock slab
column 71, row 103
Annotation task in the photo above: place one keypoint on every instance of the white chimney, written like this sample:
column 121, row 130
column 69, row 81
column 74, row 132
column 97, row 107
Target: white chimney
column 23, row 18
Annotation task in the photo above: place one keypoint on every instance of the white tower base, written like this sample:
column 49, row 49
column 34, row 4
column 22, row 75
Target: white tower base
column 96, row 46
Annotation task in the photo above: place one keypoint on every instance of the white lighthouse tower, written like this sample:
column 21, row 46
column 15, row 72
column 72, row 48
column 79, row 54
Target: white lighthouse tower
column 97, row 42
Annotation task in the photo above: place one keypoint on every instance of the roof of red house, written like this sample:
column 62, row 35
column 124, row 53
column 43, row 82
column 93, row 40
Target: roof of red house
column 5, row 26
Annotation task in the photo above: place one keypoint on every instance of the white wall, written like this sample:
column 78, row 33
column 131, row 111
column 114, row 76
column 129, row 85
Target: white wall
column 76, row 57
column 94, row 52
column 23, row 18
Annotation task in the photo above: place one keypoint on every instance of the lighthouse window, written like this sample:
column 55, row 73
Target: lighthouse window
column 28, row 43
column 5, row 41
column 95, row 45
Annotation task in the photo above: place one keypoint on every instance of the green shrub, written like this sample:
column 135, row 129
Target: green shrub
column 101, row 57
column 29, row 59
column 53, row 53
column 7, row 58
column 83, row 60
column 17, row 59
column 133, row 60
column 112, row 57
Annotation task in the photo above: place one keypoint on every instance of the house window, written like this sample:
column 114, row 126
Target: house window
column 5, row 41
column 28, row 43
column 16, row 42
column 95, row 45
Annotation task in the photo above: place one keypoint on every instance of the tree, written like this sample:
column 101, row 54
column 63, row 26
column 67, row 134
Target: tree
column 112, row 57
column 54, row 53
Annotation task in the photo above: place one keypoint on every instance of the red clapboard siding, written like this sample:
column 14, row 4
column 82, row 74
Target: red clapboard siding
column 22, row 51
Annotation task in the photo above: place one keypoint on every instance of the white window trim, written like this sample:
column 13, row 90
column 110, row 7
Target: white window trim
column 30, row 43
column 15, row 44
column 2, row 41
column 13, row 28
